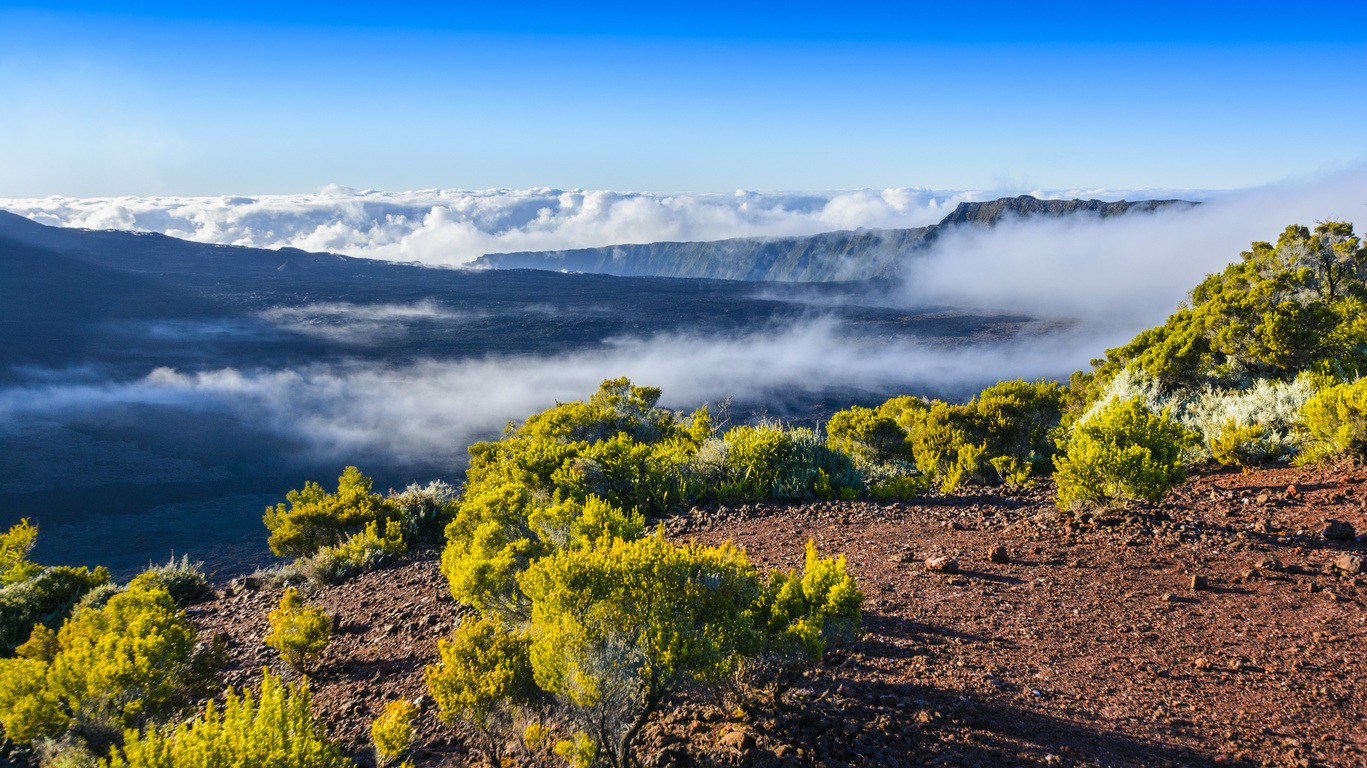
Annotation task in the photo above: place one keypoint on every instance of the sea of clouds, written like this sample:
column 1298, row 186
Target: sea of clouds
column 452, row 227
column 1109, row 278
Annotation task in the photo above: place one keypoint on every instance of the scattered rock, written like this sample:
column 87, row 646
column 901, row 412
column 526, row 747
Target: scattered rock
column 737, row 740
column 998, row 554
column 1337, row 530
column 1263, row 498
column 942, row 564
column 1201, row 663
column 1292, row 492
column 1349, row 563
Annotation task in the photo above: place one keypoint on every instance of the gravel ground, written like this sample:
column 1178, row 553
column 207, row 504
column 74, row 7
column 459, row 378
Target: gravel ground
column 1213, row 629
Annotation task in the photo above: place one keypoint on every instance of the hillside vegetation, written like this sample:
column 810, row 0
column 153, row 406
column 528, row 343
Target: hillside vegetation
column 584, row 623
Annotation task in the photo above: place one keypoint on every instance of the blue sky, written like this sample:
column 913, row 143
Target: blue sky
column 251, row 98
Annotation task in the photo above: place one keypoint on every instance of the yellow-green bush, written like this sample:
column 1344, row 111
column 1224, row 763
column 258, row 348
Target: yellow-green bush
column 1123, row 452
column 1336, row 421
column 1281, row 310
column 361, row 552
column 111, row 668
column 273, row 730
column 945, row 445
column 46, row 597
column 298, row 630
column 867, row 434
column 317, row 519
column 182, row 579
column 15, row 544
column 618, row 626
column 1244, row 446
column 483, row 678
column 807, row 610
column 798, row 615
column 392, row 732
column 770, row 461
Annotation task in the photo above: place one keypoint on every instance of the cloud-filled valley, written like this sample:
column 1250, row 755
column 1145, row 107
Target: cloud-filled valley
column 398, row 368
column 452, row 227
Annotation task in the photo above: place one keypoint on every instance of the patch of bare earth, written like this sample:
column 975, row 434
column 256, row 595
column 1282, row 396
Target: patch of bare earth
column 1221, row 627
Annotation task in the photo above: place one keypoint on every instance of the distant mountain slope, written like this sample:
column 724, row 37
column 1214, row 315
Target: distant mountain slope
column 863, row 254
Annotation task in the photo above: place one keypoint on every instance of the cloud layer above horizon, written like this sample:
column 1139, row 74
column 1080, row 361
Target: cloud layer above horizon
column 453, row 227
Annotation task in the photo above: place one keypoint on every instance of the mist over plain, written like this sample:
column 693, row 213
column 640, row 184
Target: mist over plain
column 214, row 442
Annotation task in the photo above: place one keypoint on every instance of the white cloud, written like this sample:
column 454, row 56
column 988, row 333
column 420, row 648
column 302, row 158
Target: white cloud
column 1126, row 272
column 357, row 323
column 454, row 226
column 427, row 412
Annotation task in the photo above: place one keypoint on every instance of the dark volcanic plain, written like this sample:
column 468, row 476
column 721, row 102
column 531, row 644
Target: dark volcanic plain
column 1088, row 646
column 124, row 483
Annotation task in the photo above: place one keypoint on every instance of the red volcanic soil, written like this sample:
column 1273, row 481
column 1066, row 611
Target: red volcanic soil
column 1213, row 629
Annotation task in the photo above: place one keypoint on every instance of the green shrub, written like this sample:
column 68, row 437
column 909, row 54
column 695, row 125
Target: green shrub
column 1244, row 446
column 317, row 519
column 946, row 448
column 1016, row 420
column 111, row 668
column 1123, row 452
column 392, row 732
column 15, row 544
column 1336, row 421
column 425, row 511
column 298, row 630
column 1281, row 310
column 45, row 598
column 483, row 679
column 273, row 730
column 867, row 434
column 362, row 552
column 770, row 461
column 619, row 626
column 800, row 614
column 182, row 579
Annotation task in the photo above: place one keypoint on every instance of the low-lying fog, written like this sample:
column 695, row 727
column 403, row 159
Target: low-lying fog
column 124, row 470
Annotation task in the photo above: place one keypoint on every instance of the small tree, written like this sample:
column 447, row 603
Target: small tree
column 1122, row 452
column 618, row 626
column 298, row 630
column 392, row 731
column 483, row 678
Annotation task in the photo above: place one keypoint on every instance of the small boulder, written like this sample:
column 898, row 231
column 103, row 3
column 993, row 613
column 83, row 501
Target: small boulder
column 1199, row 582
column 1337, row 530
column 942, row 564
column 737, row 740
column 998, row 554
column 1349, row 564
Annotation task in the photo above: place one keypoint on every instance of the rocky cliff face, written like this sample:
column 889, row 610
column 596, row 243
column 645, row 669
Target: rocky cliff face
column 863, row 254
column 992, row 212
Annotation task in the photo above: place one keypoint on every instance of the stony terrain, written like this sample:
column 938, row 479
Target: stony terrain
column 1222, row 627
